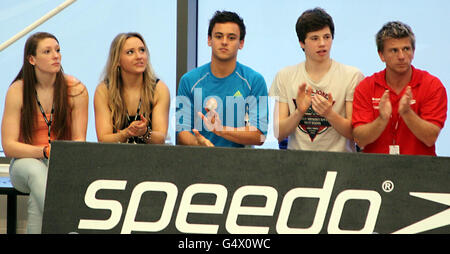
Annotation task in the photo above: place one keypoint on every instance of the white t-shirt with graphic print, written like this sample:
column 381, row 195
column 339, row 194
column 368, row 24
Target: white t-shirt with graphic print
column 315, row 132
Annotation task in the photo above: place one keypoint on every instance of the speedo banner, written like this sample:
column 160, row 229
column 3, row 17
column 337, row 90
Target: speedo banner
column 125, row 188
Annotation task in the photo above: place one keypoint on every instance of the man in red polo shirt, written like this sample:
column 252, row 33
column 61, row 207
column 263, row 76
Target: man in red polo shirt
column 400, row 110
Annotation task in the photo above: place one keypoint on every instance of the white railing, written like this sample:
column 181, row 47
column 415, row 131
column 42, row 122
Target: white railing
column 36, row 24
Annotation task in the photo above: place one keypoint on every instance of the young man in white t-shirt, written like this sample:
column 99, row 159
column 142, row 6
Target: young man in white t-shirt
column 314, row 98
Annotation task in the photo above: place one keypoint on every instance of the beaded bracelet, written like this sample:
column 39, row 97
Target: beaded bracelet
column 147, row 136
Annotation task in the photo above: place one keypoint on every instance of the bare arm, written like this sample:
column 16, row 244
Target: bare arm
column 80, row 107
column 103, row 122
column 160, row 114
column 422, row 129
column 186, row 138
column 11, row 126
column 285, row 123
column 369, row 133
column 249, row 135
column 343, row 125
column 324, row 107
column 244, row 135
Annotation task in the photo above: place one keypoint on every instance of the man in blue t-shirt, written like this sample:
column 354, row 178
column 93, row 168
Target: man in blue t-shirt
column 222, row 103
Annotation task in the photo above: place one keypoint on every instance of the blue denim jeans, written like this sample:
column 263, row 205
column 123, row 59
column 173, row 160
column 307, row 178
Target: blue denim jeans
column 29, row 175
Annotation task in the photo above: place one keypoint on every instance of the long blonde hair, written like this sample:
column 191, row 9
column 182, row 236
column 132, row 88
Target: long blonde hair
column 113, row 80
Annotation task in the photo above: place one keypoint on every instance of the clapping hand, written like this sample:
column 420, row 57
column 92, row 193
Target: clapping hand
column 304, row 98
column 201, row 139
column 211, row 121
column 321, row 105
column 138, row 127
column 385, row 106
column 405, row 101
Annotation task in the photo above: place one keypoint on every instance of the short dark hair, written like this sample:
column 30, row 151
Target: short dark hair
column 313, row 20
column 394, row 30
column 224, row 17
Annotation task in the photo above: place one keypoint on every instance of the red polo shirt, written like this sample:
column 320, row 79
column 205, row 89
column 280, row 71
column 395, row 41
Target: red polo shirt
column 429, row 102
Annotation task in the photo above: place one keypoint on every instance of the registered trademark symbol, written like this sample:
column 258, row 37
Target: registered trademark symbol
column 387, row 186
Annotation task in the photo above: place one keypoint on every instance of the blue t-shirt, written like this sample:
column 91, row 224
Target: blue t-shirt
column 243, row 93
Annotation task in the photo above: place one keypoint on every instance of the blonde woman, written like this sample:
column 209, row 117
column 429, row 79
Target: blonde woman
column 131, row 104
column 42, row 104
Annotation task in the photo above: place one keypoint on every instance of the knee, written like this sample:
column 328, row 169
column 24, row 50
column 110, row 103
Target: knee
column 28, row 170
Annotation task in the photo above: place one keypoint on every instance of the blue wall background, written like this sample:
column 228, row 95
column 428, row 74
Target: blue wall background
column 86, row 28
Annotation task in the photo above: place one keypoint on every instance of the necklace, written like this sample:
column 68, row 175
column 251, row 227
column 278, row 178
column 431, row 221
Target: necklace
column 137, row 112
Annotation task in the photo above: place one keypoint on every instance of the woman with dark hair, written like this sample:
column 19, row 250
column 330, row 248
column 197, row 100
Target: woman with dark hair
column 131, row 103
column 42, row 104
